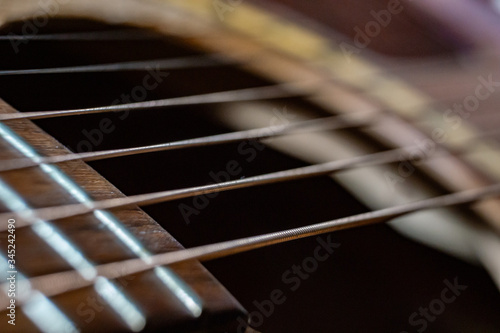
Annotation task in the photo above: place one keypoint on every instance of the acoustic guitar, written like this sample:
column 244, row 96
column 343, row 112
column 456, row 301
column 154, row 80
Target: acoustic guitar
column 247, row 165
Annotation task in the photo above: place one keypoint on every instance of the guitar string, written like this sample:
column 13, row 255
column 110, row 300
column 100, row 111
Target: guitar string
column 185, row 62
column 27, row 217
column 133, row 34
column 320, row 124
column 169, row 63
column 277, row 91
column 182, row 62
column 285, row 90
column 209, row 251
column 223, row 138
column 101, row 35
column 188, row 99
column 216, row 244
column 355, row 120
column 175, row 63
column 60, row 282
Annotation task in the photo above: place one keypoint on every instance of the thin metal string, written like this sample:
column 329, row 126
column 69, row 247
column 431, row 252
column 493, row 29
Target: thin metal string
column 196, row 61
column 355, row 120
column 57, row 283
column 282, row 90
column 60, row 282
column 64, row 211
column 290, row 89
column 250, row 94
column 326, row 123
column 133, row 34
column 105, row 35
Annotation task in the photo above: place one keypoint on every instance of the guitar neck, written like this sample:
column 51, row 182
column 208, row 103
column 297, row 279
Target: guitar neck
column 326, row 61
column 195, row 302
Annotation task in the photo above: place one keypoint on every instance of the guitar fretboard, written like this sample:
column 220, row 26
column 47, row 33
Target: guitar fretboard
column 105, row 237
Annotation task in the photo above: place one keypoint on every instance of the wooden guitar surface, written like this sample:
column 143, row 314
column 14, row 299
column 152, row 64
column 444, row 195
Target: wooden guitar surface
column 317, row 46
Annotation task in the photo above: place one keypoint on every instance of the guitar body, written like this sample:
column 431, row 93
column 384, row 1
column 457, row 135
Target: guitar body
column 412, row 61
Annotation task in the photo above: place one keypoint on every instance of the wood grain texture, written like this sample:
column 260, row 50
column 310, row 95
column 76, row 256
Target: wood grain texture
column 278, row 68
column 35, row 257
